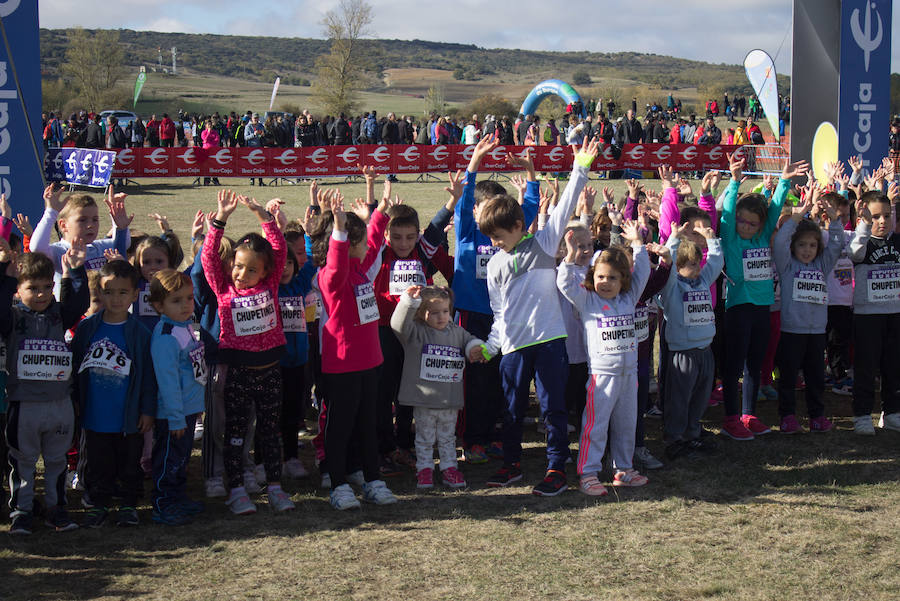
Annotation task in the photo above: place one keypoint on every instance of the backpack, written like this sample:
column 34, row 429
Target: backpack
column 756, row 137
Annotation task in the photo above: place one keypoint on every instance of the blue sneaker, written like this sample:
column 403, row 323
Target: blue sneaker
column 190, row 506
column 767, row 393
column 843, row 387
column 172, row 515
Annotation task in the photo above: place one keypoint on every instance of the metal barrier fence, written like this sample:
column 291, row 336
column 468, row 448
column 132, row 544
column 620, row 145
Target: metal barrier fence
column 765, row 158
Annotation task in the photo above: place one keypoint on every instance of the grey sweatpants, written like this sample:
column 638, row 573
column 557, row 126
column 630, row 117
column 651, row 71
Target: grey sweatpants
column 33, row 429
column 689, row 377
column 611, row 409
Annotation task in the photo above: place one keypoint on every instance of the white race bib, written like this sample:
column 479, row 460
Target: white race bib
column 293, row 313
column 198, row 364
column 757, row 264
column 95, row 264
column 483, row 256
column 843, row 271
column 884, row 284
column 642, row 323
column 698, row 309
column 442, row 363
column 48, row 360
column 810, row 287
column 144, row 306
column 405, row 273
column 314, row 300
column 105, row 354
column 616, row 334
column 366, row 303
column 253, row 314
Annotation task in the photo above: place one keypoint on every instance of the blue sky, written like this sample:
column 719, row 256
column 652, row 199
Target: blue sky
column 714, row 31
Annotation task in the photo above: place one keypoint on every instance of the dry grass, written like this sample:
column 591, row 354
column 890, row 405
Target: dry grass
column 799, row 517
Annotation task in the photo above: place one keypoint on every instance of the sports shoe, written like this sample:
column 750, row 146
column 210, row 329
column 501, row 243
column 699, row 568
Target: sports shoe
column 790, row 425
column 732, row 427
column 294, row 468
column 241, row 505
column 171, row 516
column 862, row 424
column 59, row 520
column 475, row 454
column 189, row 506
column 127, row 516
column 342, row 498
column 356, row 478
column 86, row 501
column 251, row 484
column 704, row 444
column 279, row 501
column 767, row 393
column 94, row 518
column 404, row 458
column 716, row 396
column 643, row 455
column 425, row 478
column 495, row 450
column 554, row 483
column 843, row 387
column 889, row 421
column 215, row 487
column 505, row 476
column 629, row 478
column 654, row 412
column 259, row 472
column 388, row 467
column 453, row 478
column 22, row 523
column 820, row 424
column 198, row 431
column 755, row 425
column 326, row 481
column 590, row 485
column 378, row 493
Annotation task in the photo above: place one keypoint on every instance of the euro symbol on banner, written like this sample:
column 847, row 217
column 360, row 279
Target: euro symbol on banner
column 223, row 156
column 499, row 153
column 255, row 157
column 188, row 156
column 715, row 153
column 636, row 153
column 381, row 154
column 58, row 161
column 440, row 153
column 607, row 153
column 410, row 154
column 86, row 162
column 689, row 153
column 103, row 164
column 557, row 154
column 663, row 152
column 863, row 35
column 158, row 156
column 350, row 155
column 319, row 156
column 125, row 157
column 287, row 157
column 72, row 162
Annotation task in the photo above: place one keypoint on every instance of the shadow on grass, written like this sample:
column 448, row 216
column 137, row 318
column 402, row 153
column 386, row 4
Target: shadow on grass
column 834, row 470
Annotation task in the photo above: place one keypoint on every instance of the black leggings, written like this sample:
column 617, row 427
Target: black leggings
column 293, row 384
column 244, row 388
column 350, row 425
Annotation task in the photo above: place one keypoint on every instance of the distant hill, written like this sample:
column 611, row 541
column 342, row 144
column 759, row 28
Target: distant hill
column 259, row 58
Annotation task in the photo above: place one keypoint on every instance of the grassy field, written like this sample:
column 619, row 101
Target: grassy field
column 799, row 517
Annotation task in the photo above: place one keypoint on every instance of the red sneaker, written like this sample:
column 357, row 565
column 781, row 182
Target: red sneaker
column 820, row 424
column 789, row 425
column 453, row 478
column 733, row 428
column 425, row 478
column 715, row 398
column 753, row 423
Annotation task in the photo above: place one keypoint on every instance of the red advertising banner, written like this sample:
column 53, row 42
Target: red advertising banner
column 319, row 161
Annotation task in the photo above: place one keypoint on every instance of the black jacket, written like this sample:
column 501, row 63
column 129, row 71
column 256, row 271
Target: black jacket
column 630, row 132
column 93, row 136
column 390, row 133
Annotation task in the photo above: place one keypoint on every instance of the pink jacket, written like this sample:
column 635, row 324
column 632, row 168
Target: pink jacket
column 250, row 319
column 669, row 212
column 348, row 344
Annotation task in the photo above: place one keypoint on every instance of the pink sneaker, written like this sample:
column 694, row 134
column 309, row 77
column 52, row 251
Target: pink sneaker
column 425, row 478
column 789, row 425
column 453, row 478
column 756, row 427
column 715, row 398
column 733, row 428
column 820, row 424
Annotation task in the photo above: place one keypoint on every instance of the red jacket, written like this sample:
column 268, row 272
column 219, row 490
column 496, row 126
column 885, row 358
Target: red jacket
column 167, row 129
column 406, row 272
column 347, row 343
column 675, row 135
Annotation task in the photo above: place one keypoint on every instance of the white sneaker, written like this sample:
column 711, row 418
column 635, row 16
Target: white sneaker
column 377, row 492
column 251, row 484
column 279, row 501
column 215, row 487
column 198, row 431
column 356, row 478
column 343, row 498
column 260, row 473
column 649, row 462
column 241, row 505
column 889, row 421
column 326, row 480
column 293, row 468
column 862, row 424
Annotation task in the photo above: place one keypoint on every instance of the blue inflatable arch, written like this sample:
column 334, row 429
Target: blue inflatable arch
column 547, row 87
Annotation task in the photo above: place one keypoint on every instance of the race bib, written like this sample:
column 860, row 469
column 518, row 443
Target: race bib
column 884, row 284
column 698, row 309
column 293, row 313
column 95, row 264
column 365, row 303
column 642, row 323
column 757, row 264
column 144, row 306
column 198, row 364
column 483, row 256
column 105, row 354
column 405, row 274
column 810, row 287
column 314, row 300
column 616, row 334
column 48, row 360
column 253, row 314
column 442, row 363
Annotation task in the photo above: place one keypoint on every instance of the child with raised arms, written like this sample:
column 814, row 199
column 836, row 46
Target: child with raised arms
column 435, row 351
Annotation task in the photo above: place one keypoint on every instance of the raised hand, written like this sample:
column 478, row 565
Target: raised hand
column 862, row 211
column 893, row 191
column 111, row 254
column 340, row 218
column 360, row 209
column 413, row 291
column 666, row 176
column 313, row 193
column 368, row 172
column 588, row 195
column 116, row 205
column 273, row 207
column 24, row 224
column 631, row 232
column 256, row 208
column 161, row 220
column 634, row 188
column 856, row 163
column 735, row 166
column 5, row 209
column 827, row 208
column 684, row 187
column 484, row 146
column 457, row 185
column 706, row 183
column 615, row 215
column 75, row 256
column 519, row 184
column 571, row 247
column 52, row 197
column 706, row 231
column 794, row 169
column 197, row 225
column 227, row 202
column 680, row 231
